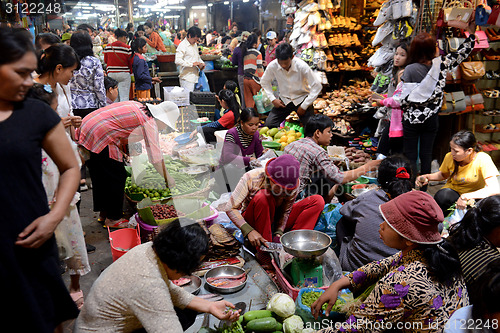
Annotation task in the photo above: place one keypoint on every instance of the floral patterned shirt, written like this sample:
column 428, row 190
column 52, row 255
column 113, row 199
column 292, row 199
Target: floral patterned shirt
column 405, row 297
column 87, row 85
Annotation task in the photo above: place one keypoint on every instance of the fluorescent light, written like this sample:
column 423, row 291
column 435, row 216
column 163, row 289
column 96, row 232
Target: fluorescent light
column 171, row 16
column 88, row 7
column 86, row 11
column 210, row 4
column 226, row 2
column 199, row 7
column 246, row 0
column 146, row 6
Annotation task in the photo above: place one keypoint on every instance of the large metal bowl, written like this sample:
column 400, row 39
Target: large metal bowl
column 224, row 271
column 194, row 286
column 305, row 243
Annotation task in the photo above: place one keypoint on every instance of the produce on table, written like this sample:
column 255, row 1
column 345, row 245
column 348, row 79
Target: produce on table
column 308, row 298
column 256, row 314
column 153, row 184
column 293, row 324
column 163, row 212
column 281, row 304
column 233, row 328
column 284, row 136
column 261, row 325
column 357, row 156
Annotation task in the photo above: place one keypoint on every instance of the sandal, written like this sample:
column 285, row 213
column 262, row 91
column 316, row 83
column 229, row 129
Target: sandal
column 120, row 224
column 77, row 297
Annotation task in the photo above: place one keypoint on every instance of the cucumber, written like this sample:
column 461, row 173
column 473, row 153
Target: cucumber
column 256, row 314
column 240, row 320
column 267, row 324
column 279, row 327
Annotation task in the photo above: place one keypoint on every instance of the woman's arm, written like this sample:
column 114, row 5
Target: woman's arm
column 436, row 176
column 329, row 296
column 491, row 188
column 58, row 147
column 454, row 59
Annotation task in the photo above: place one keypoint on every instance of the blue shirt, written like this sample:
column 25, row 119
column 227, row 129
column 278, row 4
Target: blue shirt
column 141, row 73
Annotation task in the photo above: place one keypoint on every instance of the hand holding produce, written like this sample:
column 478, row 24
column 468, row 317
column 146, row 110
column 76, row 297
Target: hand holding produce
column 328, row 297
column 220, row 310
column 421, row 181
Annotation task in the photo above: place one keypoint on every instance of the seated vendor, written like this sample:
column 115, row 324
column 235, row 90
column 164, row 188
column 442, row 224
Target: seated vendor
column 420, row 286
column 470, row 174
column 136, row 291
column 357, row 231
column 263, row 204
column 477, row 238
column 318, row 173
column 242, row 143
column 227, row 101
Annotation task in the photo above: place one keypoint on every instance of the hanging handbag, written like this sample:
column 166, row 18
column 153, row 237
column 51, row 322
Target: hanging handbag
column 440, row 19
column 453, row 43
column 494, row 17
column 481, row 40
column 458, row 14
column 474, row 101
column 453, row 102
column 481, row 16
column 472, row 70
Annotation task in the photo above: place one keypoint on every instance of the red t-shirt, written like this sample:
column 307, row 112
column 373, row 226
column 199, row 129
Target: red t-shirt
column 227, row 120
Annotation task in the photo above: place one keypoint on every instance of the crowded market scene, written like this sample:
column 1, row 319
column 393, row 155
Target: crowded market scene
column 250, row 166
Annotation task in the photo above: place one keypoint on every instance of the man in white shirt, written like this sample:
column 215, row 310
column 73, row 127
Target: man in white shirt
column 297, row 85
column 188, row 59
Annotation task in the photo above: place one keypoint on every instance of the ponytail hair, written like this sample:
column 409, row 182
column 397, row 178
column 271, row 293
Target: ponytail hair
column 464, row 139
column 58, row 54
column 137, row 44
column 477, row 223
column 442, row 261
column 246, row 45
column 228, row 97
column 395, row 175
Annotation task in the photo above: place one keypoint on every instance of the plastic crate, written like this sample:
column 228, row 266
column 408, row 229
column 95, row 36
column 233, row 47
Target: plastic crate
column 285, row 285
column 179, row 98
column 204, row 110
column 202, row 97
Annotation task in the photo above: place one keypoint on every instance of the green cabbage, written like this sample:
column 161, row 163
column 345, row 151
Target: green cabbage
column 293, row 324
column 281, row 304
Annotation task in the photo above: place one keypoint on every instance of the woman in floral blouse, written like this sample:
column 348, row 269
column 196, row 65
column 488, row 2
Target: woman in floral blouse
column 418, row 288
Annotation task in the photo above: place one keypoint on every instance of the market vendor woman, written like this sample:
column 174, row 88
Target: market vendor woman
column 263, row 203
column 470, row 174
column 136, row 293
column 420, row 286
column 104, row 133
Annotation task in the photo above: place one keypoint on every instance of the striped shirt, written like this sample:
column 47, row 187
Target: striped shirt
column 117, row 57
column 475, row 260
column 118, row 124
column 245, row 139
column 248, row 186
column 252, row 65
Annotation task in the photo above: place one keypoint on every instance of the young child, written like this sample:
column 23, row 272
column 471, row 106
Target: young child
column 71, row 226
column 391, row 141
column 233, row 87
column 111, row 86
column 227, row 100
column 143, row 80
column 242, row 143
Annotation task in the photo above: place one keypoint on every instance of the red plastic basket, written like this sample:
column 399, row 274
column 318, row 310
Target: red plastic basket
column 285, row 285
column 122, row 240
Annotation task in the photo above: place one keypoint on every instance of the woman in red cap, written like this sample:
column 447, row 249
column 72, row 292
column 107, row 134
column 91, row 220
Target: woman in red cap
column 263, row 203
column 416, row 289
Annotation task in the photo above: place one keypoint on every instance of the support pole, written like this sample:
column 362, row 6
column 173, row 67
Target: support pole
column 130, row 12
column 117, row 13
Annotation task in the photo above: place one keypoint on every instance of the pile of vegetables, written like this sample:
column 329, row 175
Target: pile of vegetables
column 153, row 184
column 163, row 212
column 308, row 298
